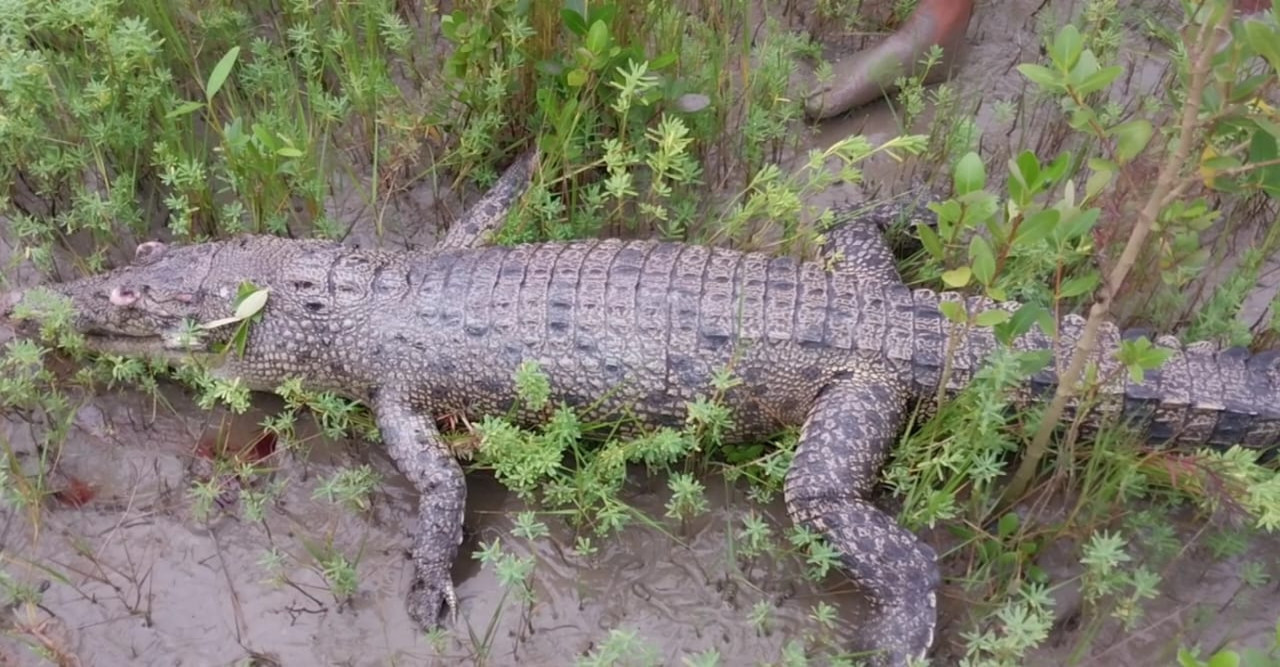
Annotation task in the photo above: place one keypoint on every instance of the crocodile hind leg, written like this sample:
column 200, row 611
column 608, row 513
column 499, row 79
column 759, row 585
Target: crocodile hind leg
column 858, row 240
column 483, row 219
column 421, row 455
column 859, row 246
column 842, row 447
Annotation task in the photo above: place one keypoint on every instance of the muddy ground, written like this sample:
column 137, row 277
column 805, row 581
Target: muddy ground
column 133, row 579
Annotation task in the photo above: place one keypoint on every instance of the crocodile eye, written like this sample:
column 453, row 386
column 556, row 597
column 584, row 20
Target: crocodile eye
column 123, row 296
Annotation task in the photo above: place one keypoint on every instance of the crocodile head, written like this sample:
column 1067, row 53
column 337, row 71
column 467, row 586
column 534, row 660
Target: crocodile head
column 152, row 306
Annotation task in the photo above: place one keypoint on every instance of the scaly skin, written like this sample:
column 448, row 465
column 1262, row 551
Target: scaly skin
column 636, row 328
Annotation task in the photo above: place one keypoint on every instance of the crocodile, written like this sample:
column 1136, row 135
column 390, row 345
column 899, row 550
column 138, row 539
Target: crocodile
column 837, row 346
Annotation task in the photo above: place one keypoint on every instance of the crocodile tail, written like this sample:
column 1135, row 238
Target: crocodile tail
column 1201, row 395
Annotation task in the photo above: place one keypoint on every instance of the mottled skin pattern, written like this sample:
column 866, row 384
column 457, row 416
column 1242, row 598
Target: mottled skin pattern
column 636, row 328
column 487, row 215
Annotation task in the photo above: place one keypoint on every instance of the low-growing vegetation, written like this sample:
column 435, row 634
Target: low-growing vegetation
column 125, row 120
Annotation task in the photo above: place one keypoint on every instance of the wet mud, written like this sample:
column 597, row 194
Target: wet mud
column 132, row 577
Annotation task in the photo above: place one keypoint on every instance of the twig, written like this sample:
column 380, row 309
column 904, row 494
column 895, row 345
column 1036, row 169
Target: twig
column 1169, row 186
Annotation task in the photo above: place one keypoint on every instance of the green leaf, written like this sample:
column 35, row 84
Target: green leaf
column 598, row 38
column 220, row 72
column 982, row 260
column 1027, row 167
column 970, row 175
column 1265, row 40
column 1066, row 48
column 1225, row 658
column 929, row 239
column 576, row 78
column 1131, row 138
column 993, row 317
column 1007, row 525
column 247, row 306
column 261, row 134
column 662, row 61
column 958, row 277
column 1042, row 76
column 1077, row 285
column 1186, row 659
column 184, row 109
column 1103, row 171
column 289, row 151
column 573, row 21
column 1037, row 227
column 1054, row 171
column 1020, row 323
column 1048, row 324
column 1099, row 80
column 251, row 304
column 953, row 310
column 1086, row 66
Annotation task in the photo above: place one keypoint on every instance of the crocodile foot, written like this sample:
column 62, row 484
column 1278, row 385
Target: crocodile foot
column 869, row 74
column 431, row 600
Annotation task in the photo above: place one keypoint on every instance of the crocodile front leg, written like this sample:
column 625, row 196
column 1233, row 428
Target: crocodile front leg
column 421, row 455
column 841, row 449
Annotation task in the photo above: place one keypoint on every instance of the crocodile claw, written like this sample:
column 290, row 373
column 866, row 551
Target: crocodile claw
column 428, row 594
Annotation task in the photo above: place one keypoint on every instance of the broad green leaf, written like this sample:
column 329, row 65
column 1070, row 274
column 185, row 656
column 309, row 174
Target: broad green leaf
column 990, row 318
column 1054, row 171
column 251, row 304
column 953, row 310
column 261, row 134
column 1103, row 171
column 247, row 307
column 929, row 239
column 1041, row 75
column 289, row 151
column 1027, row 169
column 1086, row 66
column 573, row 21
column 1131, row 138
column 1225, row 658
column 1265, row 40
column 220, row 72
column 1066, row 48
column 970, row 175
column 958, row 277
column 664, row 60
column 1037, row 227
column 1020, row 323
column 1007, row 525
column 982, row 260
column 1099, row 80
column 1268, row 126
column 576, row 78
column 1077, row 285
column 598, row 38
